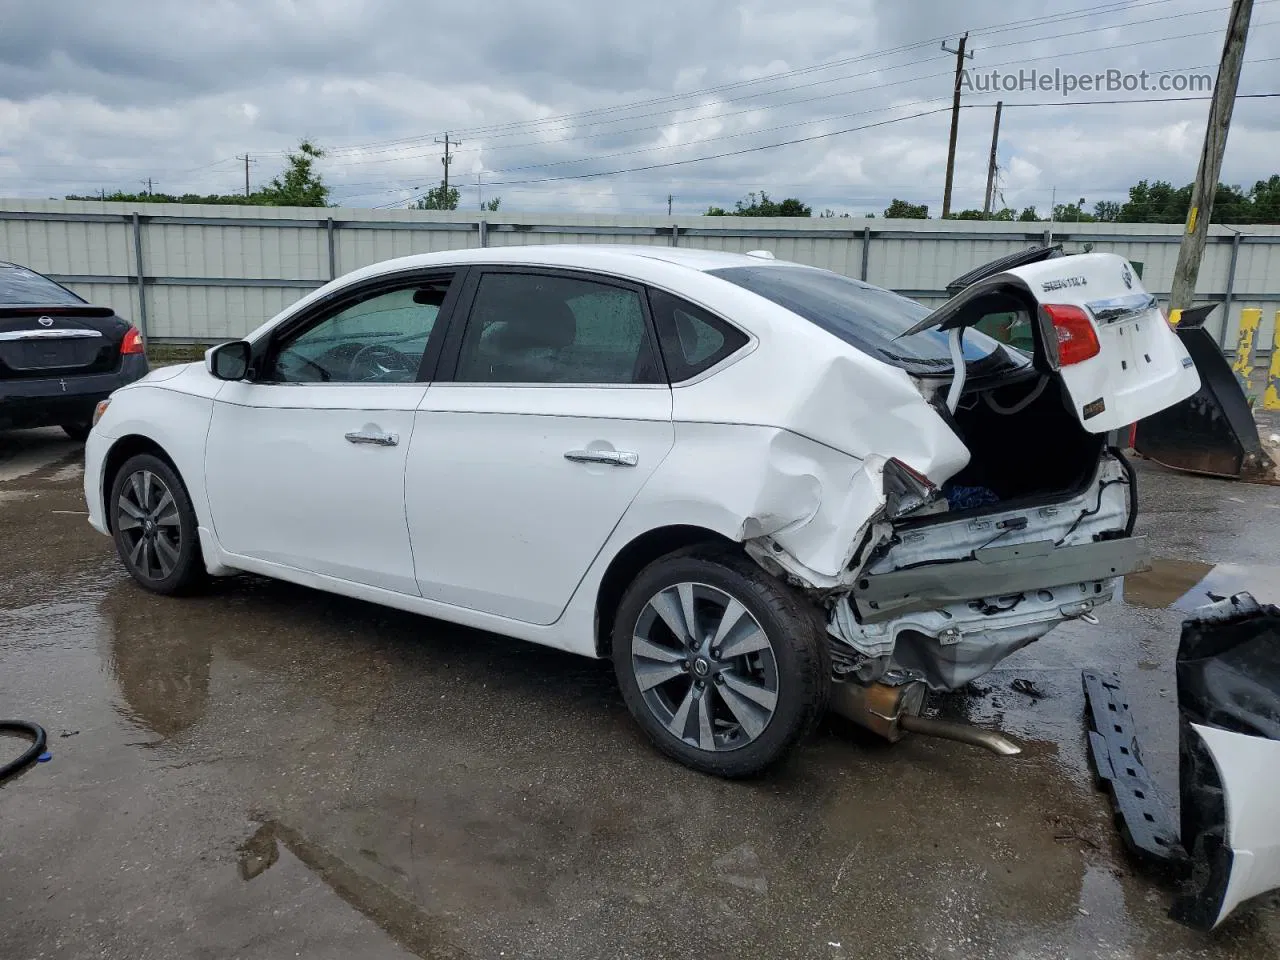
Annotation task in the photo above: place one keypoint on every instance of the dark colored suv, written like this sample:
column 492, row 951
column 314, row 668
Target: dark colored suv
column 59, row 355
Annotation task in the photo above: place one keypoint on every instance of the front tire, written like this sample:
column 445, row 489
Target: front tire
column 154, row 526
column 724, row 667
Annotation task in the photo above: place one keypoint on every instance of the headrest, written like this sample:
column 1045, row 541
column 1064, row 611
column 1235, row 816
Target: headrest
column 537, row 323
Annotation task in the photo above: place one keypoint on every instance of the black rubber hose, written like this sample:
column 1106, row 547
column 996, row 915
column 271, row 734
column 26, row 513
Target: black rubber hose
column 31, row 755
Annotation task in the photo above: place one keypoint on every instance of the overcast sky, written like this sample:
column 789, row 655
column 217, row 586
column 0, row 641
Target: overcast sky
column 102, row 94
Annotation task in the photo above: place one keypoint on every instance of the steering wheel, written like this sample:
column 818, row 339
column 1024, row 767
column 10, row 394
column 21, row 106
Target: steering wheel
column 377, row 360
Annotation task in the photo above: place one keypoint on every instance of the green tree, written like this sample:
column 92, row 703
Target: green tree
column 1157, row 202
column 491, row 205
column 760, row 205
column 1266, row 200
column 300, row 185
column 438, row 198
column 902, row 210
column 1106, row 211
column 1028, row 215
column 1006, row 213
column 1071, row 212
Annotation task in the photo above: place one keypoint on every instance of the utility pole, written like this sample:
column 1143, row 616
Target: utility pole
column 669, row 199
column 1215, row 144
column 989, row 198
column 446, row 160
column 245, row 158
column 479, row 189
column 955, row 120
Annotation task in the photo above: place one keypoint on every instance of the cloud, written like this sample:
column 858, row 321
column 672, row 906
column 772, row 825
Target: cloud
column 104, row 94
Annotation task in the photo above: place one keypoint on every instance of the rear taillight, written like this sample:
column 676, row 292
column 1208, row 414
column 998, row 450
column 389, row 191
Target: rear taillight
column 1077, row 340
column 132, row 342
column 905, row 489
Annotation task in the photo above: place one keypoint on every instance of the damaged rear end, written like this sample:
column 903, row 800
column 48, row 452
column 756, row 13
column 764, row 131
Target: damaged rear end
column 958, row 563
column 945, row 597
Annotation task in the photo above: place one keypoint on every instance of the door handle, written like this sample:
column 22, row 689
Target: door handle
column 616, row 458
column 377, row 439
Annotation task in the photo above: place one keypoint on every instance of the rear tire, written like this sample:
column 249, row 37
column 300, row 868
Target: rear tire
column 154, row 526
column 78, row 432
column 733, row 695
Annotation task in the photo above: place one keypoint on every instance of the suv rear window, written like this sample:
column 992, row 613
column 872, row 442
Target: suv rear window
column 20, row 286
column 862, row 315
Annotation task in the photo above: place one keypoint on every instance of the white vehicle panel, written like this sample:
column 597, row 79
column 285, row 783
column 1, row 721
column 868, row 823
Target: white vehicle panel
column 1249, row 768
column 286, row 485
column 171, row 407
column 501, row 519
column 1141, row 367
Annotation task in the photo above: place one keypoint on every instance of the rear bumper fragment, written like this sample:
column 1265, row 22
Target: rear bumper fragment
column 995, row 572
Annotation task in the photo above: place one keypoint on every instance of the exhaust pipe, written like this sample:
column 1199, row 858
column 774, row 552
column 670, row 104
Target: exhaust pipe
column 997, row 743
column 893, row 711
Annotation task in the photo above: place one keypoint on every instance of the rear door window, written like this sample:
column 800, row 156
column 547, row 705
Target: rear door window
column 550, row 329
column 864, row 316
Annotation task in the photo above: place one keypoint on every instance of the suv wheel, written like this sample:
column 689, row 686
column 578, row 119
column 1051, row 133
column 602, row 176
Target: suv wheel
column 723, row 666
column 154, row 525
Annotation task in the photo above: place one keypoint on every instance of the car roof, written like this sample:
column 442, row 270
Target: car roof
column 604, row 257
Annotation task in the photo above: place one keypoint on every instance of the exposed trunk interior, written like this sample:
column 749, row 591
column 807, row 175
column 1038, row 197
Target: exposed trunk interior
column 1023, row 447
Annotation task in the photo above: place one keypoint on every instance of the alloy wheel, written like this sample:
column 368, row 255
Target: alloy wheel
column 147, row 518
column 705, row 667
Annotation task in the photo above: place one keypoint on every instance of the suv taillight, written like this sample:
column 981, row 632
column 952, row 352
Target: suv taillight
column 1077, row 340
column 132, row 342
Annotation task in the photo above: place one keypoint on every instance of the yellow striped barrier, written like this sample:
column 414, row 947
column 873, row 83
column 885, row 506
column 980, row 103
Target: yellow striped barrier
column 1271, row 398
column 1250, row 320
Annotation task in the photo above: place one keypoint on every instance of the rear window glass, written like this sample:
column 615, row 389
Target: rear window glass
column 867, row 317
column 692, row 340
column 18, row 285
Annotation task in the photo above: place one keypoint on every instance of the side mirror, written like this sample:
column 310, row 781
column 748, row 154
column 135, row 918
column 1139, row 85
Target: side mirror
column 229, row 361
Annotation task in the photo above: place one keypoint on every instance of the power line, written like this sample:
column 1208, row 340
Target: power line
column 879, row 86
column 836, row 133
column 1020, row 25
column 658, row 147
column 718, row 156
column 1099, row 10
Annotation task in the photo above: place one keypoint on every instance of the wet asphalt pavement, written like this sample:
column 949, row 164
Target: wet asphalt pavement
column 265, row 771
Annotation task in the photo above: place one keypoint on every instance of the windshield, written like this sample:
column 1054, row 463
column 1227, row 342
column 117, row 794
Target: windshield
column 18, row 285
column 868, row 317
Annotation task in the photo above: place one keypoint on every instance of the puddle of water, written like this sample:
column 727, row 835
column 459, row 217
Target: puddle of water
column 1187, row 585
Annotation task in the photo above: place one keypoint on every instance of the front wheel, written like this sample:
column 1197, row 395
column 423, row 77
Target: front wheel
column 723, row 666
column 154, row 525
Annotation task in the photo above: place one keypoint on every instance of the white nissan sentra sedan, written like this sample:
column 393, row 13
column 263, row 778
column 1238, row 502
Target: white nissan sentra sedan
column 751, row 483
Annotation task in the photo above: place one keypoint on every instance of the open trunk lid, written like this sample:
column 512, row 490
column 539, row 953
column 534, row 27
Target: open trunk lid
column 1095, row 328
